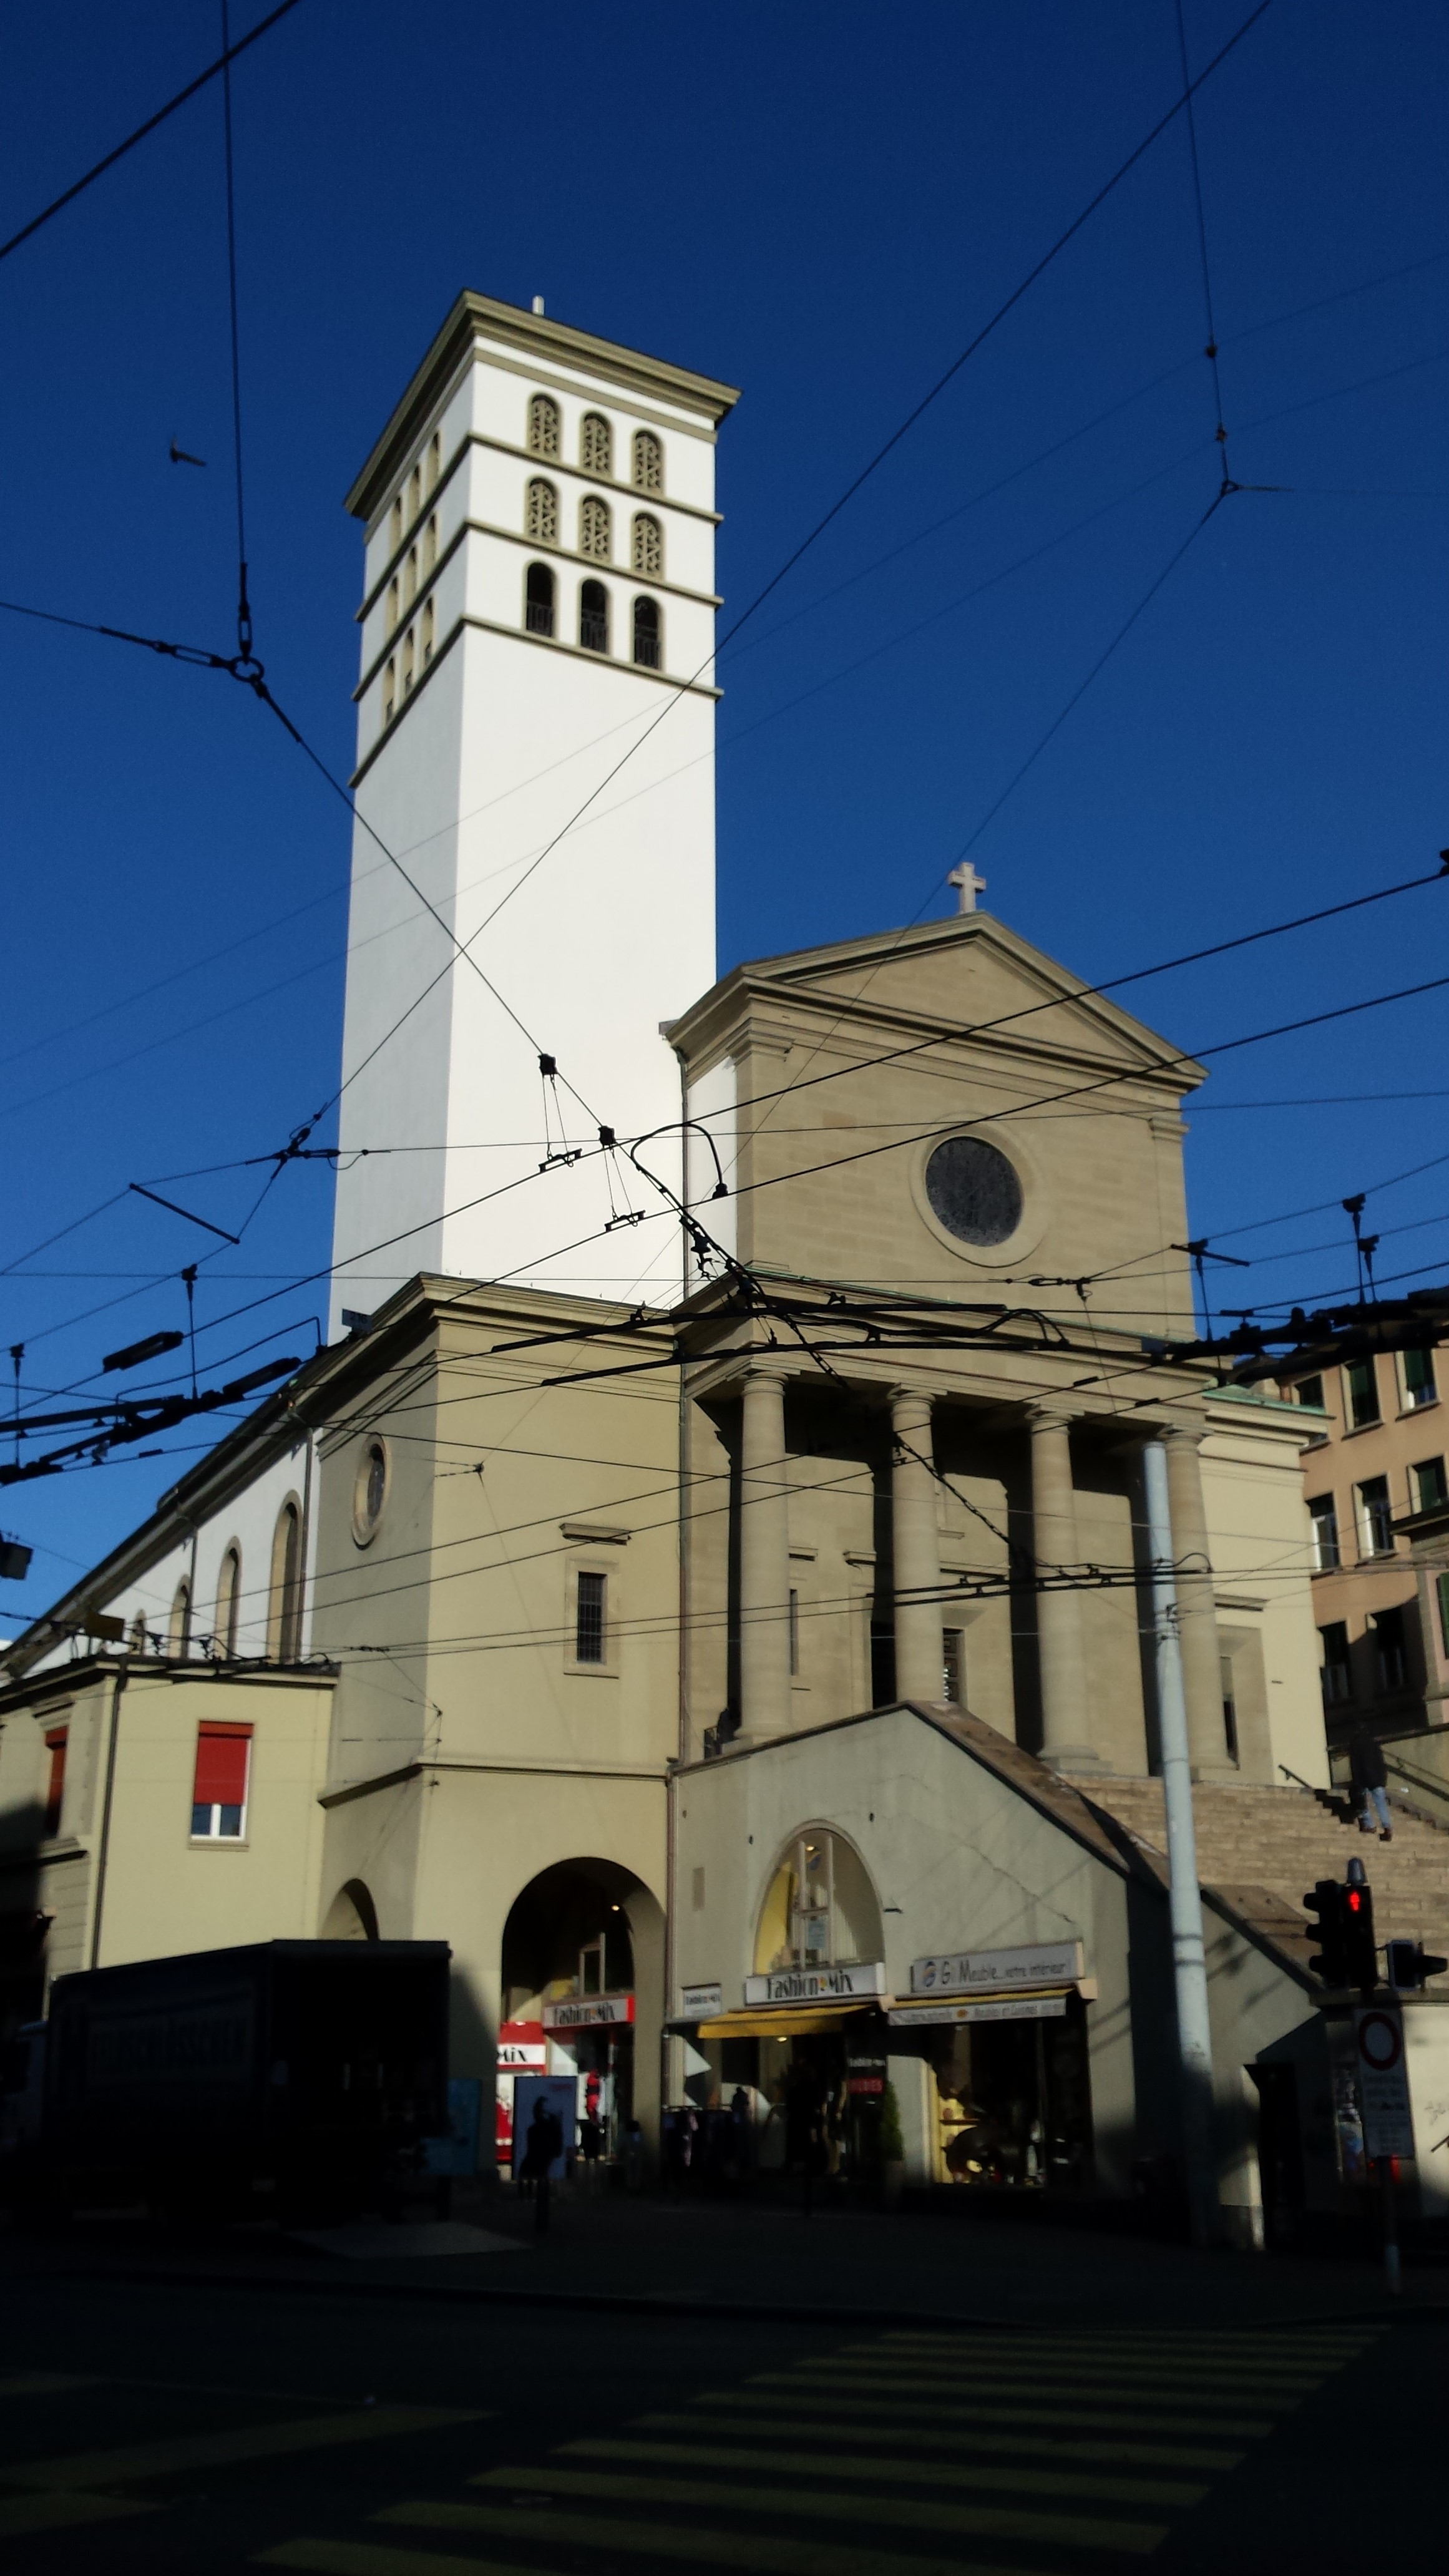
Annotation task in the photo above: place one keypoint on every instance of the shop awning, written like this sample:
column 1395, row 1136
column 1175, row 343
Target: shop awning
column 765, row 2022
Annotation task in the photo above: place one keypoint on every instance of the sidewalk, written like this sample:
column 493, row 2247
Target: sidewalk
column 704, row 2257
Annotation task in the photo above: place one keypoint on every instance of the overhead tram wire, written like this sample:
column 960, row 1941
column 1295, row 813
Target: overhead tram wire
column 243, row 609
column 222, row 64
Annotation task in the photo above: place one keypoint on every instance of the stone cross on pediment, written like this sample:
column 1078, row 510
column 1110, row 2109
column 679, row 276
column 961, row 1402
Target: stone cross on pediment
column 968, row 884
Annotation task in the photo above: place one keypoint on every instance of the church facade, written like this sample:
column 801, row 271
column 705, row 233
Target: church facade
column 707, row 1588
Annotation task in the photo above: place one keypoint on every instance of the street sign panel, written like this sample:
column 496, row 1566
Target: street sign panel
column 1383, row 2081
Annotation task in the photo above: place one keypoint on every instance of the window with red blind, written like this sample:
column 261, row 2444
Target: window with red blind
column 55, row 1744
column 219, row 1797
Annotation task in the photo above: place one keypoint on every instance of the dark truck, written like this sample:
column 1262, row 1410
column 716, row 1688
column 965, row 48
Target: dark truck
column 299, row 2078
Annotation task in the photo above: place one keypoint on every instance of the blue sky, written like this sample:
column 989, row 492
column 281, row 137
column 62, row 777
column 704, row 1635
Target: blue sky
column 821, row 205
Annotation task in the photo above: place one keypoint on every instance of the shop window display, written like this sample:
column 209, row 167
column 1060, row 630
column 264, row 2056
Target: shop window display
column 1013, row 2104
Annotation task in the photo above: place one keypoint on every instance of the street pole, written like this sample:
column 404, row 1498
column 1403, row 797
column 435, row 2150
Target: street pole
column 1189, row 1959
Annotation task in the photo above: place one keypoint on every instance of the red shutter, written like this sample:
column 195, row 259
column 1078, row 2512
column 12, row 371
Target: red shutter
column 55, row 1746
column 221, row 1766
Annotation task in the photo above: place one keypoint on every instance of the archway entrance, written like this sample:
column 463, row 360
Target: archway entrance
column 571, row 1977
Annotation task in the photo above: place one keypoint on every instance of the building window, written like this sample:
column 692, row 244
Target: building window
column 410, row 585
column 1337, row 1672
column 1430, row 1486
column 179, row 1634
column 589, row 1618
column 389, row 693
column 596, row 444
column 415, row 492
column 430, row 543
column 1363, row 1394
column 219, row 1792
column 953, row 1667
column 1375, row 1518
column 369, row 1491
column 882, row 1663
column 1441, row 1589
column 136, row 1642
column 648, row 462
column 596, row 535
column 1419, row 1386
column 1389, row 1661
column 228, row 1595
column 429, row 631
column 435, row 459
column 394, row 605
column 794, row 1633
column 540, row 517
column 594, row 617
column 538, row 600
column 409, row 663
column 55, row 1744
column 647, row 548
column 1230, row 1707
column 1323, row 1514
column 648, row 642
column 284, row 1621
column 820, row 1909
column 396, row 527
column 543, row 425
column 1309, row 1393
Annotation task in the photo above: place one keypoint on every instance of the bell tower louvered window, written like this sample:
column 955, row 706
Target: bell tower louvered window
column 648, row 641
column 648, row 547
column 648, row 462
column 594, row 617
column 595, row 529
column 543, row 426
column 540, row 518
column 596, row 444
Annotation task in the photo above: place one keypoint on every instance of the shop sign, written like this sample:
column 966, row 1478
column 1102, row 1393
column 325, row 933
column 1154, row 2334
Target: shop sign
column 1009, row 2008
column 987, row 1972
column 697, row 2003
column 588, row 2012
column 521, row 2044
column 817, row 1985
column 1383, row 2082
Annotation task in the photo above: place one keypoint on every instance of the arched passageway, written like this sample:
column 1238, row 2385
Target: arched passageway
column 582, row 2000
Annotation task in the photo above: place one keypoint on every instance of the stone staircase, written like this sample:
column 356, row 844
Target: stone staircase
column 1255, row 1843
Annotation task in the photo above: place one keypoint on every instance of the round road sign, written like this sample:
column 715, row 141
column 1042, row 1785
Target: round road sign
column 1380, row 2041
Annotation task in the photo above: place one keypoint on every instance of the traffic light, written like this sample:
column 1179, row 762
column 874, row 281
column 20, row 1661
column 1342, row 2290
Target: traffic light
column 1410, row 1964
column 1362, row 1956
column 1326, row 1899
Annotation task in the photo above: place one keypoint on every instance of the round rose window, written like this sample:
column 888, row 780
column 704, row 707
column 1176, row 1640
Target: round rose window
column 974, row 1191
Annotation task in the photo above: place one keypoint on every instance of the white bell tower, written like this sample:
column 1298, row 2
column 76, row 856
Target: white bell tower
column 538, row 608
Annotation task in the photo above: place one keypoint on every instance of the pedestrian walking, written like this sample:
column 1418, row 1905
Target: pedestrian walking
column 544, row 2147
column 1370, row 1780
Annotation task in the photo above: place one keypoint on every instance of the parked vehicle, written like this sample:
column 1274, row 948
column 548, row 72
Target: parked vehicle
column 301, row 2077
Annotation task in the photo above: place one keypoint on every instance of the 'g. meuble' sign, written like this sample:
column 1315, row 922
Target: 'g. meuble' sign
column 817, row 1985
column 998, row 1972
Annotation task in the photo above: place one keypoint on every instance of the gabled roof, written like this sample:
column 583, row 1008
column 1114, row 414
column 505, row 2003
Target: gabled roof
column 883, row 977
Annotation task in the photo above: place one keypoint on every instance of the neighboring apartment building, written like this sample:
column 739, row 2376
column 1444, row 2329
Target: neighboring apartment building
column 1376, row 1482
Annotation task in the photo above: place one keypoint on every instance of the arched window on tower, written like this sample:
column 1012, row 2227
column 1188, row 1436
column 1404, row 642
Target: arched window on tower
column 415, row 492
column 435, row 458
column 228, row 1596
column 648, row 462
column 410, row 584
column 394, row 605
column 648, row 640
column 594, row 617
column 430, row 544
column 647, row 553
column 543, row 437
column 538, row 594
column 596, row 444
column 389, row 693
column 429, row 631
column 409, row 663
column 284, row 1605
column 596, row 536
column 540, row 513
column 178, row 1638
column 394, row 534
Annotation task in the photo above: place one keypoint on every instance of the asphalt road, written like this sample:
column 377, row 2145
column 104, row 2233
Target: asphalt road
column 174, row 2427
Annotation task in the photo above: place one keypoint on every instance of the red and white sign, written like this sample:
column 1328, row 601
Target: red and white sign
column 522, row 2047
column 1383, row 2082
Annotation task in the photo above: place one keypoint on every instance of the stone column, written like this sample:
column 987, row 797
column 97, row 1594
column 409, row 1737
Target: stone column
column 1066, row 1735
column 1197, row 1615
column 916, row 1550
column 764, row 1558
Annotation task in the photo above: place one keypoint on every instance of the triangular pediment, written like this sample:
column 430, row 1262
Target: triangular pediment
column 970, row 973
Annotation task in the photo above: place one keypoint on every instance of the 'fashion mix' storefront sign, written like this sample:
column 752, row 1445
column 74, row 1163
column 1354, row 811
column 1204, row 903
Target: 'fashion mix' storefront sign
column 862, row 1979
column 588, row 2012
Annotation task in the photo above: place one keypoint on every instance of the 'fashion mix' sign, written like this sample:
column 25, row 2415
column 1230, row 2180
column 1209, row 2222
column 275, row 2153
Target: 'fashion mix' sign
column 862, row 1978
column 588, row 2012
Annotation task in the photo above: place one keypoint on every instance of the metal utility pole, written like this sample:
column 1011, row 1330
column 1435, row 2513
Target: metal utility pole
column 1189, row 1960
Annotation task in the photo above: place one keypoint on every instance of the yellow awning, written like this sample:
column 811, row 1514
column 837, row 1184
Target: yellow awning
column 763, row 2023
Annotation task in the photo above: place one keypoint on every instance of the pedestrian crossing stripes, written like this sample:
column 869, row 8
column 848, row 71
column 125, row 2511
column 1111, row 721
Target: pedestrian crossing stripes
column 914, row 2453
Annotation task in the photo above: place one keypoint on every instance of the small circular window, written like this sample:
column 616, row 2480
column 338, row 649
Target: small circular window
column 975, row 1193
column 369, row 1494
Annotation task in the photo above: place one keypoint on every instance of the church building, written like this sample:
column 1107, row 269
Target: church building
column 709, row 1588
